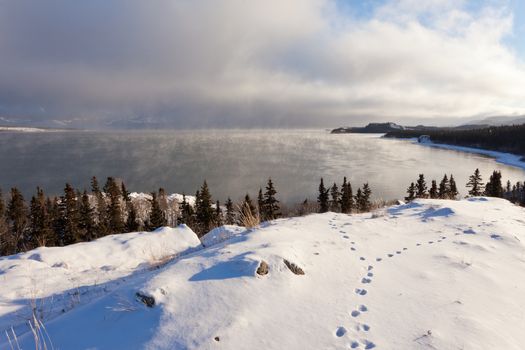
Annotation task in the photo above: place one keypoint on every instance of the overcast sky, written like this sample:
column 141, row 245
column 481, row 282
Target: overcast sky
column 222, row 63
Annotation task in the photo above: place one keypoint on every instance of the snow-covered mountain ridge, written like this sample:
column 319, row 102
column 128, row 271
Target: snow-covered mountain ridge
column 431, row 274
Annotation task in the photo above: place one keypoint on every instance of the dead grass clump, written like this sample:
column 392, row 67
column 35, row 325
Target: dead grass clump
column 247, row 218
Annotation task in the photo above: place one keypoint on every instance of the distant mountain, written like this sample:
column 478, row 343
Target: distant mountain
column 498, row 121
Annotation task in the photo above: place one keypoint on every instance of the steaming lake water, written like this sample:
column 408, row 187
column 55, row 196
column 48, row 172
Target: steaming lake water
column 232, row 161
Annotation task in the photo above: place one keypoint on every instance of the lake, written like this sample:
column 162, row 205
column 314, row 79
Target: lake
column 232, row 161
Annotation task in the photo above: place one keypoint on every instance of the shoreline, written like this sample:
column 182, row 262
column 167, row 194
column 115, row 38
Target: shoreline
column 500, row 157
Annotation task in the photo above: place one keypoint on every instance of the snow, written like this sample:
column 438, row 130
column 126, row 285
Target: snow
column 26, row 129
column 430, row 274
column 220, row 234
column 172, row 197
column 52, row 272
column 501, row 157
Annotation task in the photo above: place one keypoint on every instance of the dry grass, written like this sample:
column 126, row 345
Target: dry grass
column 247, row 218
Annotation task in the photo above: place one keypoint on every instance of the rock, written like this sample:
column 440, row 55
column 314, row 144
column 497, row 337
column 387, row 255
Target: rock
column 263, row 268
column 147, row 300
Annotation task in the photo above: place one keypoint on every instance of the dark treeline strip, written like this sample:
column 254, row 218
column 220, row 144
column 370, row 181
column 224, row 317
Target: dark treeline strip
column 447, row 188
column 83, row 216
column 499, row 138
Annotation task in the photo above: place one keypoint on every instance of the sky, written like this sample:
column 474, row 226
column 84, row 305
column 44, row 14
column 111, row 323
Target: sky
column 272, row 63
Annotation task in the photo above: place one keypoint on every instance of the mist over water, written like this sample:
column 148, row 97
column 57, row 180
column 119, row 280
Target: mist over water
column 232, row 161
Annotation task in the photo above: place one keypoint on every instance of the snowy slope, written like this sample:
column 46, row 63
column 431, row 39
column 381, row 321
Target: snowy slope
column 57, row 279
column 426, row 275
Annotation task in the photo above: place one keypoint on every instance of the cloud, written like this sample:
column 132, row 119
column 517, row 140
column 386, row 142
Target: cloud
column 237, row 63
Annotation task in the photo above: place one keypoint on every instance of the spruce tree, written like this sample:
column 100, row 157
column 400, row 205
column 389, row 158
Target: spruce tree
column 41, row 228
column 230, row 214
column 17, row 220
column 102, row 225
column 359, row 199
column 494, row 187
column 433, row 192
column 114, row 209
column 248, row 204
column 69, row 231
column 444, row 188
column 5, row 246
column 421, row 187
column 335, row 198
column 475, row 184
column 411, row 192
column 271, row 204
column 261, row 206
column 187, row 213
column 124, row 192
column 347, row 197
column 322, row 198
column 156, row 216
column 204, row 210
column 86, row 219
column 132, row 224
column 453, row 189
column 218, row 214
column 367, row 192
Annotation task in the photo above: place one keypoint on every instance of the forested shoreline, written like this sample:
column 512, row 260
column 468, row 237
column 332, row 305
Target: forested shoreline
column 508, row 138
column 82, row 216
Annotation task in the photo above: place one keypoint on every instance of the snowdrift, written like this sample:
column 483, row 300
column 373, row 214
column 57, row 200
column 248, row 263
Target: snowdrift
column 64, row 274
column 424, row 275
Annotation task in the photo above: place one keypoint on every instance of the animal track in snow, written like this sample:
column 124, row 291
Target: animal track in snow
column 368, row 344
column 398, row 252
column 355, row 313
column 405, row 248
column 370, row 267
column 379, row 259
column 362, row 258
column 430, row 242
column 418, row 244
column 370, row 274
column 340, row 331
column 363, row 308
column 360, row 291
column 363, row 326
column 366, row 280
column 390, row 255
column 352, row 248
column 354, row 344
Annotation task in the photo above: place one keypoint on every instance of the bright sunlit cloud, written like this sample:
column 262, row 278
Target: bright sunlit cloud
column 268, row 63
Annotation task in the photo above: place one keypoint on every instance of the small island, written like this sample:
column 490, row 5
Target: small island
column 371, row 128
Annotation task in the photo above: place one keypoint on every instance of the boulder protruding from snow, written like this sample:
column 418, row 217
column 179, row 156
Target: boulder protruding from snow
column 263, row 268
column 147, row 300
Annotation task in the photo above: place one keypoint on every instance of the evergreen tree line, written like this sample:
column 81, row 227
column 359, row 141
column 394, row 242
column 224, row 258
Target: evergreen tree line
column 343, row 200
column 77, row 216
column 447, row 188
column 81, row 216
column 507, row 138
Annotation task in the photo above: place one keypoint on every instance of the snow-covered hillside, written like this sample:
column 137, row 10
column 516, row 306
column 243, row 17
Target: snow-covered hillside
column 426, row 275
